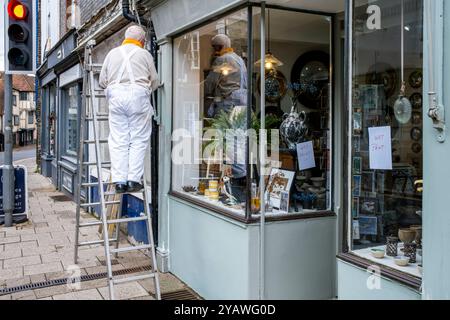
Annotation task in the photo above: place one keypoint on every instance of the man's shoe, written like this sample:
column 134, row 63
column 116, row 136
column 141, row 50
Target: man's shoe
column 121, row 188
column 134, row 187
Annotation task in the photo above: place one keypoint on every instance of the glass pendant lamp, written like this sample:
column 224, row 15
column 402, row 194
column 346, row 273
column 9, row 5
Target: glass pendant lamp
column 402, row 106
column 272, row 62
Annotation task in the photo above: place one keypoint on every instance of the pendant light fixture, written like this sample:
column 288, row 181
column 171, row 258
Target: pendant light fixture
column 402, row 106
column 271, row 61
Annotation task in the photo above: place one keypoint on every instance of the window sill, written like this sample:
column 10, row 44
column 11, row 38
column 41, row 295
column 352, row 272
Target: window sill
column 240, row 216
column 387, row 272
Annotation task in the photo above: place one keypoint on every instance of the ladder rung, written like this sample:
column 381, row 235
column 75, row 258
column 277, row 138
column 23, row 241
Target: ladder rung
column 98, row 119
column 93, row 204
column 90, row 224
column 92, row 243
column 95, row 163
column 95, row 184
column 134, row 278
column 113, row 193
column 93, row 141
column 134, row 248
column 99, row 95
column 126, row 220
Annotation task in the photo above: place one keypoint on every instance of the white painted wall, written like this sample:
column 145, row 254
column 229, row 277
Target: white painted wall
column 352, row 285
column 219, row 258
column 50, row 17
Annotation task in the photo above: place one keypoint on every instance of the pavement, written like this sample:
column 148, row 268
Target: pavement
column 20, row 154
column 43, row 249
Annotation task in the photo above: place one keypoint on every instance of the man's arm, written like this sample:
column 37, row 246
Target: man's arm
column 103, row 80
column 154, row 77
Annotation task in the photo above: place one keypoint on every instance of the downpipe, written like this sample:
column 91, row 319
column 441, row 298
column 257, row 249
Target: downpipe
column 126, row 12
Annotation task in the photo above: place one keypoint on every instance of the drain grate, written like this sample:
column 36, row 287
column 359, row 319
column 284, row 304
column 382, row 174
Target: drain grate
column 64, row 281
column 184, row 294
column 61, row 198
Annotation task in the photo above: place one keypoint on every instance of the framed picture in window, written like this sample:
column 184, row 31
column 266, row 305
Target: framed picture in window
column 284, row 202
column 369, row 206
column 357, row 123
column 357, row 165
column 355, row 207
column 356, row 186
column 368, row 182
column 368, row 225
column 279, row 181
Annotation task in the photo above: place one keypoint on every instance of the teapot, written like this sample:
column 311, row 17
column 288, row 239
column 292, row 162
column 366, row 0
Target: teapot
column 293, row 129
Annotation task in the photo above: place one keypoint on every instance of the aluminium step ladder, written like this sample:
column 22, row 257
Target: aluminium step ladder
column 90, row 120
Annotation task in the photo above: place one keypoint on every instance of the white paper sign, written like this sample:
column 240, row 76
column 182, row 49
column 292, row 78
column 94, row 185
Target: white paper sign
column 305, row 152
column 380, row 148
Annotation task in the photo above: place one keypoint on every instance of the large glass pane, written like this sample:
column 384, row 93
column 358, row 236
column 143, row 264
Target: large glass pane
column 72, row 101
column 210, row 113
column 298, row 110
column 386, row 151
column 52, row 118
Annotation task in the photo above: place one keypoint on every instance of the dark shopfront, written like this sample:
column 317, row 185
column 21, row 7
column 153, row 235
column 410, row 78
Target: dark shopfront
column 60, row 77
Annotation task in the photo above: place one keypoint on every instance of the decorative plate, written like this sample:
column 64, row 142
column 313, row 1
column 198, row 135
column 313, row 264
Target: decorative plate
column 310, row 77
column 276, row 85
column 416, row 79
column 416, row 134
column 416, row 118
column 416, row 147
column 416, row 100
column 383, row 74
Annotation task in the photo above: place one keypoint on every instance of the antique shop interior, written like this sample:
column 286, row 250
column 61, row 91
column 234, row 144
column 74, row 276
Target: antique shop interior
column 345, row 143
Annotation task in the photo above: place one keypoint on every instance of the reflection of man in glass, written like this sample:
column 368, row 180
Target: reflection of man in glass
column 225, row 89
column 226, row 84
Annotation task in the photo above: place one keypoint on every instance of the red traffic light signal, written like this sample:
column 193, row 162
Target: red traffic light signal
column 17, row 10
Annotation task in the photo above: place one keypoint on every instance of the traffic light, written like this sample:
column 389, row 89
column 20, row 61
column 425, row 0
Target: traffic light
column 20, row 21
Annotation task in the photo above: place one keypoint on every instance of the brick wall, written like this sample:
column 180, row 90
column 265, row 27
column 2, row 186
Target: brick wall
column 89, row 8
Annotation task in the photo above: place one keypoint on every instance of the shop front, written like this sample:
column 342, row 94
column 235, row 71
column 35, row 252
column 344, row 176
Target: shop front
column 282, row 72
column 341, row 88
column 61, row 85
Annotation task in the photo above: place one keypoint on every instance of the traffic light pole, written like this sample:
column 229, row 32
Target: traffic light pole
column 8, row 169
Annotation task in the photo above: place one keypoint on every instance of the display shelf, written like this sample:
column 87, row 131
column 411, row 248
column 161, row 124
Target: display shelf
column 411, row 269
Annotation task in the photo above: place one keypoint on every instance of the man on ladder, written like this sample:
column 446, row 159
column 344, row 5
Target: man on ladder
column 129, row 77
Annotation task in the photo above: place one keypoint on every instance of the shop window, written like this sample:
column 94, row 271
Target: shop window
column 217, row 118
column 207, row 87
column 386, row 150
column 70, row 133
column 52, row 118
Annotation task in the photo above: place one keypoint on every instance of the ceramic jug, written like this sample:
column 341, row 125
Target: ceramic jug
column 293, row 129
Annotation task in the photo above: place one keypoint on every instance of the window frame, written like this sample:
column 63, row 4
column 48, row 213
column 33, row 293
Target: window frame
column 64, row 117
column 31, row 114
column 248, row 218
column 23, row 94
column 347, row 254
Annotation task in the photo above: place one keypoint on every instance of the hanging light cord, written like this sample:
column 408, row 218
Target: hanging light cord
column 403, row 88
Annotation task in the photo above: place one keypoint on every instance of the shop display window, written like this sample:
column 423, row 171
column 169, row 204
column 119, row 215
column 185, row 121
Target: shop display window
column 72, row 101
column 217, row 114
column 52, row 118
column 386, row 132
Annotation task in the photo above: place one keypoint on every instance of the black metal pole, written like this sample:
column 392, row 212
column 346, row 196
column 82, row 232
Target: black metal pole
column 8, row 169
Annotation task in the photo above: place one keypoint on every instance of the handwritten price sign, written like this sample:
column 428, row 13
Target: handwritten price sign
column 380, row 148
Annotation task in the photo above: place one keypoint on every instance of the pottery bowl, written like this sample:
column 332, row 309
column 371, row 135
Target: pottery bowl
column 418, row 231
column 378, row 253
column 420, row 268
column 406, row 235
column 401, row 261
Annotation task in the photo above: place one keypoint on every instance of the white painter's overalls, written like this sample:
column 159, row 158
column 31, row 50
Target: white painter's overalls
column 130, row 124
